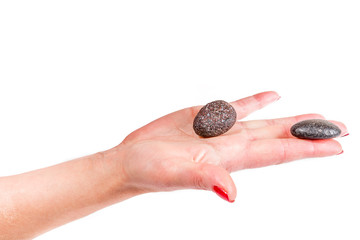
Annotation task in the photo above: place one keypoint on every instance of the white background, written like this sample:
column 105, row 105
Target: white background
column 77, row 76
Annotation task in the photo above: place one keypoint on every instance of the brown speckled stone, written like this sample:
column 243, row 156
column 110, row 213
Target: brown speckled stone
column 315, row 129
column 214, row 119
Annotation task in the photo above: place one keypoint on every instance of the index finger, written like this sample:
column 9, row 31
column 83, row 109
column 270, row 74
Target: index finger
column 248, row 105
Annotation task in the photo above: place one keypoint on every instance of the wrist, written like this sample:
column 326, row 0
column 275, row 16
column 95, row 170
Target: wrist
column 110, row 162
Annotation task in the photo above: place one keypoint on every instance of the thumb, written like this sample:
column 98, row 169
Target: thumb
column 214, row 178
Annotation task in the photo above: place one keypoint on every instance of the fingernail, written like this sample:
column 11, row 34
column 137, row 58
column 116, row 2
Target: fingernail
column 278, row 98
column 347, row 134
column 222, row 193
column 342, row 151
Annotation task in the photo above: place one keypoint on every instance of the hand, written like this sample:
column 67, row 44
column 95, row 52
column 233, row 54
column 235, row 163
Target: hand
column 167, row 155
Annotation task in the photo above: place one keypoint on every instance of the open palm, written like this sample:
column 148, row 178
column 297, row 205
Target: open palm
column 167, row 155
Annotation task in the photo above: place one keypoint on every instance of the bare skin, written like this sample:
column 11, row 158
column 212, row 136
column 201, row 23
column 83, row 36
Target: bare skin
column 164, row 155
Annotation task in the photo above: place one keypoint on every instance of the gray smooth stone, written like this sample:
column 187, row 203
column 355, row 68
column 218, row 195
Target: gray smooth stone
column 315, row 129
column 214, row 119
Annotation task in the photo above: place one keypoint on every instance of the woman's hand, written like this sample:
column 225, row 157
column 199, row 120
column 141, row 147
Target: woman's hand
column 167, row 155
column 161, row 156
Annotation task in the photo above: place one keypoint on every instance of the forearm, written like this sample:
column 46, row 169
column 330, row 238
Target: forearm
column 37, row 201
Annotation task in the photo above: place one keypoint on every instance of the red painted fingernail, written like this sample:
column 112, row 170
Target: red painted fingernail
column 222, row 193
column 346, row 135
column 342, row 151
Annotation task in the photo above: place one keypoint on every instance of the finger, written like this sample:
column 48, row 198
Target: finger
column 210, row 177
column 280, row 131
column 250, row 104
column 342, row 126
column 289, row 121
column 267, row 152
column 244, row 106
column 277, row 121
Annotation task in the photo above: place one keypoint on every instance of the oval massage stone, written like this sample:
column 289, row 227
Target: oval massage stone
column 315, row 129
column 214, row 119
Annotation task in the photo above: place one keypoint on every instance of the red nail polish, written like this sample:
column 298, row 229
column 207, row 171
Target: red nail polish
column 222, row 193
column 346, row 135
column 342, row 151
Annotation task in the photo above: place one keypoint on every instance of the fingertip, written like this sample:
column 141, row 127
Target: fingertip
column 221, row 183
column 232, row 192
column 225, row 194
column 309, row 116
column 342, row 126
column 342, row 151
column 268, row 96
column 225, row 181
column 222, row 193
column 327, row 147
column 338, row 148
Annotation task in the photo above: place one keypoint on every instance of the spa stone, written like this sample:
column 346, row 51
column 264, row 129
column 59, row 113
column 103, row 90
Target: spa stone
column 315, row 129
column 214, row 119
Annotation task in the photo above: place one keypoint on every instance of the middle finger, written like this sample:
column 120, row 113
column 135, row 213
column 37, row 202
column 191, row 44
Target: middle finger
column 277, row 131
column 269, row 122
